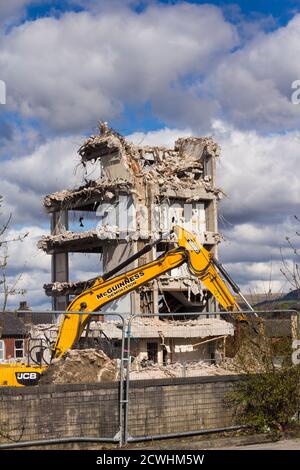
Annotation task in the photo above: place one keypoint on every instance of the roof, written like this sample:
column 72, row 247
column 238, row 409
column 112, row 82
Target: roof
column 154, row 328
column 11, row 325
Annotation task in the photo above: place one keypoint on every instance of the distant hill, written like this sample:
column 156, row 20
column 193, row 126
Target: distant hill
column 273, row 301
column 293, row 295
column 259, row 299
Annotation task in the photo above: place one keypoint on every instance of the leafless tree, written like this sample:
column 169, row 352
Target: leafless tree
column 7, row 288
column 291, row 268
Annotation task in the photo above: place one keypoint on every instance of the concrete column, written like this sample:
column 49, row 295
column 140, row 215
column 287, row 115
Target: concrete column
column 160, row 355
column 60, row 261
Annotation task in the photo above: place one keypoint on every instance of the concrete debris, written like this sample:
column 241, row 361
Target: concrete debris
column 178, row 168
column 89, row 238
column 99, row 190
column 151, row 328
column 77, row 241
column 92, row 366
column 106, row 143
column 198, row 145
column 65, row 288
column 154, row 328
column 254, row 354
column 81, row 366
column 39, row 331
column 50, row 242
column 198, row 328
column 177, row 369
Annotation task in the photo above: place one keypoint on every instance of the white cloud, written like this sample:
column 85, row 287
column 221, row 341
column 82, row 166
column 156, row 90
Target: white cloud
column 32, row 282
column 23, row 255
column 16, row 140
column 50, row 167
column 253, row 84
column 28, row 265
column 259, row 174
column 80, row 67
column 71, row 70
column 32, row 267
column 163, row 137
column 258, row 277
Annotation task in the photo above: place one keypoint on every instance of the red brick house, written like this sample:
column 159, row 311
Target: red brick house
column 13, row 337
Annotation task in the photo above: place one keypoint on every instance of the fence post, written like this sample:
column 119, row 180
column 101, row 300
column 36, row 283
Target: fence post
column 122, row 389
column 127, row 382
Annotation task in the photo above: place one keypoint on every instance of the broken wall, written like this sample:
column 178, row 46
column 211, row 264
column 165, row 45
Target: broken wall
column 142, row 192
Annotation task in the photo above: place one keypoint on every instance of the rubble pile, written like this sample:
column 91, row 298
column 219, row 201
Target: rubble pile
column 181, row 167
column 107, row 142
column 253, row 356
column 81, row 366
column 177, row 369
column 94, row 366
column 177, row 167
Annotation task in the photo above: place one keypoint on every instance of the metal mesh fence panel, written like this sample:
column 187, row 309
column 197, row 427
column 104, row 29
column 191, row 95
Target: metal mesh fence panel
column 183, row 368
column 77, row 394
column 149, row 376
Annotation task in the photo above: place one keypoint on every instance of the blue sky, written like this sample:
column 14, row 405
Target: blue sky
column 282, row 11
column 155, row 70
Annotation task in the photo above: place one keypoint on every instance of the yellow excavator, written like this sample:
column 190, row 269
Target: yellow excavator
column 108, row 287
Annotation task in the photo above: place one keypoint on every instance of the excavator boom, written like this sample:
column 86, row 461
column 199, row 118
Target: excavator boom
column 202, row 265
column 199, row 261
column 103, row 292
column 109, row 287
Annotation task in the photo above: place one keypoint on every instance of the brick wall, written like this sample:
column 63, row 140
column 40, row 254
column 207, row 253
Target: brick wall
column 56, row 411
column 10, row 346
column 92, row 410
column 170, row 406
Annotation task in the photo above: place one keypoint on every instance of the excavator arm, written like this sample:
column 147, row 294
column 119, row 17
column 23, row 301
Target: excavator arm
column 109, row 287
column 106, row 288
column 103, row 292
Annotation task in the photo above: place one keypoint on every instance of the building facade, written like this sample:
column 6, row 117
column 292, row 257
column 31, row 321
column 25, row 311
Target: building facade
column 14, row 338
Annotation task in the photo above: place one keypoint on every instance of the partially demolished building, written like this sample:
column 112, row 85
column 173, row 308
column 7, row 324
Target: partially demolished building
column 138, row 193
column 159, row 348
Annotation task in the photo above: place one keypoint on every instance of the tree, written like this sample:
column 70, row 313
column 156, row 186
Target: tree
column 268, row 395
column 291, row 269
column 7, row 288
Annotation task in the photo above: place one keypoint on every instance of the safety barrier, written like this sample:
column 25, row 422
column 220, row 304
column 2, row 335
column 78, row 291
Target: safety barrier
column 137, row 377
